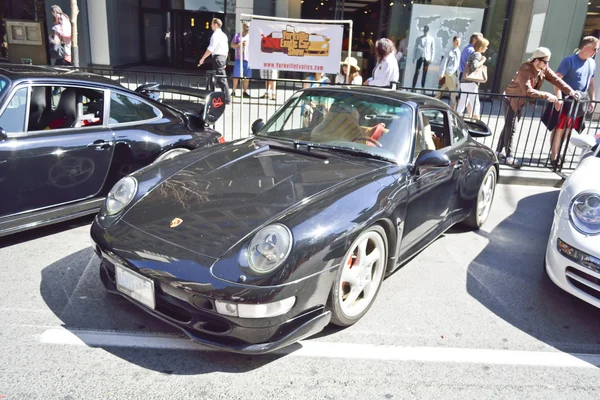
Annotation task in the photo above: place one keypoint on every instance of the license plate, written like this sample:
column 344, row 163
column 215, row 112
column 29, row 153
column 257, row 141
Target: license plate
column 136, row 286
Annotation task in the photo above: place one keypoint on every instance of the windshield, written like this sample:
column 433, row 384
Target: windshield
column 350, row 120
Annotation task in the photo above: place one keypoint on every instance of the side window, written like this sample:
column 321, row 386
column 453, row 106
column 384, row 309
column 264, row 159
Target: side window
column 433, row 131
column 13, row 117
column 459, row 130
column 64, row 107
column 125, row 109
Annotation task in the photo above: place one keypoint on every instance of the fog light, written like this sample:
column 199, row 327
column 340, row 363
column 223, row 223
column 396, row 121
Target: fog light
column 255, row 310
column 580, row 257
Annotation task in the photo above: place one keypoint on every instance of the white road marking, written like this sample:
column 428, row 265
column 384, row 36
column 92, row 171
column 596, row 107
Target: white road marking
column 315, row 349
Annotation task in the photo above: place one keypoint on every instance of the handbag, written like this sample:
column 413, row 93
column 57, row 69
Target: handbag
column 480, row 75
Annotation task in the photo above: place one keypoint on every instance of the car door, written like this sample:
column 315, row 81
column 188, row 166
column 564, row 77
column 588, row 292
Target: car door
column 460, row 150
column 58, row 148
column 432, row 192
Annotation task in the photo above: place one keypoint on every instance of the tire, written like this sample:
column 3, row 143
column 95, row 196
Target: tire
column 171, row 154
column 372, row 243
column 485, row 197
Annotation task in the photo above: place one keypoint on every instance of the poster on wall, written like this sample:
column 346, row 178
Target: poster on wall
column 293, row 46
column 442, row 23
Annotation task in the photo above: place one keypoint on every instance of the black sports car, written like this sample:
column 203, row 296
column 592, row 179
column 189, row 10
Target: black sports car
column 257, row 243
column 67, row 137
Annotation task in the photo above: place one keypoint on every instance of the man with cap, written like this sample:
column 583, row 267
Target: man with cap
column 218, row 48
column 526, row 83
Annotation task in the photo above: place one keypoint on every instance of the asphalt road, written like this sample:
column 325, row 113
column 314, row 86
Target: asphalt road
column 472, row 316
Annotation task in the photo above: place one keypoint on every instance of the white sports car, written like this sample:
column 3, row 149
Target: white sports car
column 573, row 252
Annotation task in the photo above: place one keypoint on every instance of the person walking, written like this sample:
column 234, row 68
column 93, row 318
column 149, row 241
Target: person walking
column 449, row 71
column 474, row 62
column 467, row 51
column 240, row 67
column 60, row 39
column 526, row 83
column 386, row 70
column 423, row 55
column 578, row 71
column 218, row 48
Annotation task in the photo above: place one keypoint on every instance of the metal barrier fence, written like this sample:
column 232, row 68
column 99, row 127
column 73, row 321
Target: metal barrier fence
column 531, row 139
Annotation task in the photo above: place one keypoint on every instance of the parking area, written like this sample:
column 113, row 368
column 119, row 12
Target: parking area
column 472, row 316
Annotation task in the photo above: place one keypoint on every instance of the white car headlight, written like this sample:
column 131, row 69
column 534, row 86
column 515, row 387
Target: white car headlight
column 120, row 195
column 585, row 213
column 269, row 248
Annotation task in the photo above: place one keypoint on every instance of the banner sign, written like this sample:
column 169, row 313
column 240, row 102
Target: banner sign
column 294, row 46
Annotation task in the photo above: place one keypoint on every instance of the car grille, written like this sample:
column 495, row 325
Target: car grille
column 584, row 282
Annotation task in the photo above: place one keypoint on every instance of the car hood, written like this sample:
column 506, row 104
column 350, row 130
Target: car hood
column 218, row 200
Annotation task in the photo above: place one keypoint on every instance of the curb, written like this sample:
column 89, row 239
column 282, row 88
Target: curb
column 531, row 177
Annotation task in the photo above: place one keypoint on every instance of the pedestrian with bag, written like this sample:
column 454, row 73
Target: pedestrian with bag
column 475, row 73
column 449, row 72
column 578, row 71
column 219, row 49
column 527, row 83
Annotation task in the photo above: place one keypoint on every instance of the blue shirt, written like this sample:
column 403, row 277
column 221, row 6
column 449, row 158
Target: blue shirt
column 464, row 56
column 577, row 72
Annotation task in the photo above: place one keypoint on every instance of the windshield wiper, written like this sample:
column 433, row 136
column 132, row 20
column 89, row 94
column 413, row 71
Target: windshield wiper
column 348, row 150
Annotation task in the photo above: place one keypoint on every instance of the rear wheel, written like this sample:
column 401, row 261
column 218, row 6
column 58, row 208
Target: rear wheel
column 481, row 210
column 171, row 154
column 359, row 277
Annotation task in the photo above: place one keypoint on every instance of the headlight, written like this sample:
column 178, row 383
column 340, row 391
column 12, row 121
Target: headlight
column 585, row 213
column 324, row 46
column 269, row 248
column 120, row 195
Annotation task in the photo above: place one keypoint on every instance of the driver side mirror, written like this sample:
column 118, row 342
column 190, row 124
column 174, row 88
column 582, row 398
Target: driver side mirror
column 257, row 126
column 3, row 135
column 431, row 159
column 477, row 128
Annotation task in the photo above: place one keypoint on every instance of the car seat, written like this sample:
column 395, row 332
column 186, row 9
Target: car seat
column 340, row 123
column 65, row 114
column 38, row 108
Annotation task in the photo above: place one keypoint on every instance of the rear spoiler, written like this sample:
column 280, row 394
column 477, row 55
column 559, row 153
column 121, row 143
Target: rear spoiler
column 209, row 109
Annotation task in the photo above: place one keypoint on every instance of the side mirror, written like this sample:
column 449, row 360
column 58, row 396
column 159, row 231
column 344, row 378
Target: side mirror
column 257, row 126
column 431, row 159
column 214, row 107
column 583, row 141
column 478, row 129
column 3, row 135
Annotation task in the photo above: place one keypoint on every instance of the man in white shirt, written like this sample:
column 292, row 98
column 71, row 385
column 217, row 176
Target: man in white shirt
column 218, row 48
column 423, row 55
column 449, row 71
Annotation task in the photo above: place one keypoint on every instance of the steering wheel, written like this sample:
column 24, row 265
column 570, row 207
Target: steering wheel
column 368, row 139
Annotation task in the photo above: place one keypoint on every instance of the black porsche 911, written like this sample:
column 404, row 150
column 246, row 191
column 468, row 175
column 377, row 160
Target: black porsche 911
column 257, row 243
column 67, row 137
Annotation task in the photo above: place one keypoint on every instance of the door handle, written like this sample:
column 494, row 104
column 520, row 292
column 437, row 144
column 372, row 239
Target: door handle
column 99, row 145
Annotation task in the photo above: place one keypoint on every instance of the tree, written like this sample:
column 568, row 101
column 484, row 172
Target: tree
column 74, row 41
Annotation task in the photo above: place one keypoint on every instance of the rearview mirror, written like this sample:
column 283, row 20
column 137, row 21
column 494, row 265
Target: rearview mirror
column 477, row 128
column 3, row 135
column 431, row 159
column 257, row 126
column 214, row 107
column 583, row 141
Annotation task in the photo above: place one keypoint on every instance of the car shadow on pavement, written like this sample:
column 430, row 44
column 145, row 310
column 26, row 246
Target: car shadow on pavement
column 72, row 289
column 508, row 277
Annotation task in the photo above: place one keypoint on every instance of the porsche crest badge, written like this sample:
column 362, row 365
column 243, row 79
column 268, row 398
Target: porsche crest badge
column 175, row 223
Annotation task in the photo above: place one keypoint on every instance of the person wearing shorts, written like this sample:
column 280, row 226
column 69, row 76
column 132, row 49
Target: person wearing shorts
column 270, row 75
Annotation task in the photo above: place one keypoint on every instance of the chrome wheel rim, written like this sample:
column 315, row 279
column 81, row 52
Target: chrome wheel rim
column 361, row 275
column 486, row 194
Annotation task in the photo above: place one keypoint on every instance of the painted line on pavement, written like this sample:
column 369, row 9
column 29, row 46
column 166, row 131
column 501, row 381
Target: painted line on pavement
column 315, row 349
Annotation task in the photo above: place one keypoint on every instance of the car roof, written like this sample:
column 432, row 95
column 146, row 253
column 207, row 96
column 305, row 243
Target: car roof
column 417, row 100
column 18, row 72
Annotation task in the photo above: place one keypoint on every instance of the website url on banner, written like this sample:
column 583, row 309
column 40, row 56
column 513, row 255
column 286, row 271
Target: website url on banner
column 306, row 67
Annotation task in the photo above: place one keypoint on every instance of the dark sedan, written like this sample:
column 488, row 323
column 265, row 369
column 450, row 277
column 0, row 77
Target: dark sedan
column 67, row 137
column 260, row 242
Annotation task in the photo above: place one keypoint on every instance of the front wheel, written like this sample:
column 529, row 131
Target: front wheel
column 359, row 277
column 481, row 210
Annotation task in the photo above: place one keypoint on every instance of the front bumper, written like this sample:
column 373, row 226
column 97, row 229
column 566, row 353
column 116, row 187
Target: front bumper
column 190, row 306
column 576, row 279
